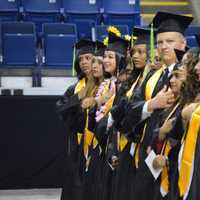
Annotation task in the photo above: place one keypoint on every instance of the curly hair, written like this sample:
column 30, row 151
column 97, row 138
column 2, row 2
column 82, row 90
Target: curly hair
column 191, row 86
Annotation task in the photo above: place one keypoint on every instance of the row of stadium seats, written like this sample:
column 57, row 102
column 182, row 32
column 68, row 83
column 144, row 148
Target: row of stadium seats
column 85, row 13
column 19, row 43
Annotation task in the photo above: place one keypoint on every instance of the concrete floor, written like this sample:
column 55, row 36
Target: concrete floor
column 30, row 194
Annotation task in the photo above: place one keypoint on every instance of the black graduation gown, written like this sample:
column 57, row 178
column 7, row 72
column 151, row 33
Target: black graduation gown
column 133, row 118
column 68, row 107
column 125, row 172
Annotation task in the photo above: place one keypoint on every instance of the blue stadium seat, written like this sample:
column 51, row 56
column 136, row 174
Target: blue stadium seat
column 192, row 29
column 85, row 13
column 9, row 10
column 18, row 44
column 101, row 31
column 58, row 42
column 41, row 11
column 122, row 12
column 191, row 41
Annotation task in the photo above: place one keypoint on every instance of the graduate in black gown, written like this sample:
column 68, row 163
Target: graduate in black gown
column 174, row 133
column 69, row 108
column 125, row 171
column 114, row 60
column 153, row 95
column 92, row 184
column 185, row 177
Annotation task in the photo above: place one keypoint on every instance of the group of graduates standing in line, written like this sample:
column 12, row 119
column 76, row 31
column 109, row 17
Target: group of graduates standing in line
column 128, row 105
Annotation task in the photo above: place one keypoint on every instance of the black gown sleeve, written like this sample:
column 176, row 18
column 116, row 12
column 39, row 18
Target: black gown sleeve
column 68, row 101
column 70, row 111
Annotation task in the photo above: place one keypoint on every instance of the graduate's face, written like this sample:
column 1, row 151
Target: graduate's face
column 85, row 63
column 178, row 77
column 109, row 62
column 197, row 69
column 139, row 55
column 167, row 42
column 97, row 66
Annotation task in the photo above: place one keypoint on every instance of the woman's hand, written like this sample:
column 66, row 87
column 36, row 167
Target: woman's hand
column 88, row 102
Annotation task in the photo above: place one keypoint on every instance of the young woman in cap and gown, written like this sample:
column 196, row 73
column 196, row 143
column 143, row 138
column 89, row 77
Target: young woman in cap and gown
column 69, row 108
column 125, row 171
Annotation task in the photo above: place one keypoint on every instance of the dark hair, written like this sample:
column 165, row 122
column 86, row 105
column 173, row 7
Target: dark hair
column 191, row 86
column 79, row 73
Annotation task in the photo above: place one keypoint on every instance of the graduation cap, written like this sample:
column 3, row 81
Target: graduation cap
column 117, row 44
column 99, row 48
column 169, row 22
column 179, row 54
column 197, row 36
column 84, row 46
column 142, row 34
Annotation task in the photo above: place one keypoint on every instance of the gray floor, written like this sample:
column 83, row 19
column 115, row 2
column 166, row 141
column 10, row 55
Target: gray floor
column 33, row 194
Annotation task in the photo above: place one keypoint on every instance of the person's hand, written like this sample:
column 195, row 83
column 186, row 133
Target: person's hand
column 164, row 99
column 159, row 162
column 188, row 110
column 88, row 102
column 165, row 129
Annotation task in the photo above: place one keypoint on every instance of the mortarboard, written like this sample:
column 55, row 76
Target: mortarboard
column 142, row 34
column 117, row 44
column 84, row 46
column 179, row 54
column 169, row 22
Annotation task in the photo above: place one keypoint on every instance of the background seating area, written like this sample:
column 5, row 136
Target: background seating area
column 35, row 33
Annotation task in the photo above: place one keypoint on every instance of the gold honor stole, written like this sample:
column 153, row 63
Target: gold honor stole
column 79, row 86
column 164, row 185
column 151, row 83
column 187, row 159
column 123, row 141
column 88, row 137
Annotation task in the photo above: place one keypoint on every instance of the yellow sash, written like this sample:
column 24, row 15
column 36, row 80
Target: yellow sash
column 130, row 92
column 164, row 175
column 151, row 83
column 123, row 142
column 167, row 147
column 80, row 85
column 189, row 152
column 88, row 136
